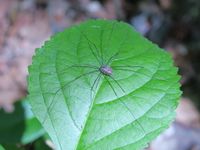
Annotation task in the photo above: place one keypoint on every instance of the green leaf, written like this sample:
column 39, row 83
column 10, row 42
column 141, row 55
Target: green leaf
column 40, row 144
column 1, row 147
column 81, row 108
column 12, row 147
column 19, row 126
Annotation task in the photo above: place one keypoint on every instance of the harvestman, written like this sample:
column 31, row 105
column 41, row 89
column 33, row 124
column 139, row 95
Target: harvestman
column 104, row 70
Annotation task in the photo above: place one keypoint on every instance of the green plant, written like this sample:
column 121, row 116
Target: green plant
column 20, row 129
column 20, row 126
column 84, row 107
column 1, row 148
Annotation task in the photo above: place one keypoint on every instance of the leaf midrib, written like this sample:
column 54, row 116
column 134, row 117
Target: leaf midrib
column 90, row 109
column 88, row 114
column 138, row 118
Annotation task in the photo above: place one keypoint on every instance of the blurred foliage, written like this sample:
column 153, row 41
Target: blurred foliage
column 187, row 10
column 20, row 126
column 12, row 147
column 38, row 144
column 1, row 147
column 41, row 145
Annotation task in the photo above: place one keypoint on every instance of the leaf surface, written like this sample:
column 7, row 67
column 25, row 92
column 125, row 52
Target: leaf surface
column 83, row 109
column 1, row 148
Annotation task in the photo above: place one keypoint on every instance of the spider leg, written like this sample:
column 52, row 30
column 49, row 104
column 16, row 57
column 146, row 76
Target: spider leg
column 123, row 103
column 87, row 66
column 75, row 66
column 63, row 87
column 130, row 70
column 93, row 52
column 96, row 82
column 127, row 66
column 101, row 48
column 112, row 57
column 124, row 90
column 118, row 84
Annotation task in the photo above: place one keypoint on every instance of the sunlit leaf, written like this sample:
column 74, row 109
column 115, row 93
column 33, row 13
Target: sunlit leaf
column 1, row 147
column 81, row 108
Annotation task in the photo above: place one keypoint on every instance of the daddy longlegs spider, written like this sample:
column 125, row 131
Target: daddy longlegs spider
column 104, row 70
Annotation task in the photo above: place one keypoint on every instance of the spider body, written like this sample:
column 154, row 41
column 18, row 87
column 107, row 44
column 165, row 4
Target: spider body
column 106, row 70
column 102, row 70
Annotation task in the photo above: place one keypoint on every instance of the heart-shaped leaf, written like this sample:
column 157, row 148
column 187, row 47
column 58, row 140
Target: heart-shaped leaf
column 101, row 85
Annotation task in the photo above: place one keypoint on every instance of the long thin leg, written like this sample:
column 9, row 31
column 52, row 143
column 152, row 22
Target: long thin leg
column 125, row 104
column 127, row 66
column 101, row 48
column 89, row 41
column 96, row 82
column 118, row 84
column 79, row 77
column 99, row 53
column 111, row 58
column 114, row 55
column 123, row 69
column 76, row 66
column 110, row 35
column 87, row 66
column 111, row 86
column 109, row 43
column 129, row 70
column 124, row 90
column 63, row 87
